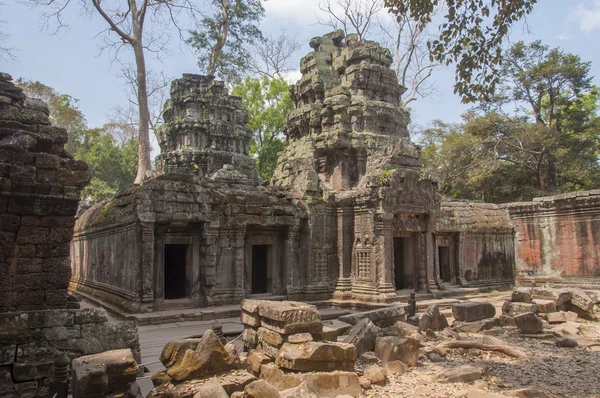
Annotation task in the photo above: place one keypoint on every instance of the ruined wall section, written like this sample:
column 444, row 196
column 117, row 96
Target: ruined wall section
column 204, row 129
column 557, row 237
column 481, row 238
column 39, row 192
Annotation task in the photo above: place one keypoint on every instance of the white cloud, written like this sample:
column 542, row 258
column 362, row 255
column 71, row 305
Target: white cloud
column 589, row 19
column 292, row 76
column 564, row 37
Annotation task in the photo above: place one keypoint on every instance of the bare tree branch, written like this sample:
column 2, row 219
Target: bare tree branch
column 274, row 54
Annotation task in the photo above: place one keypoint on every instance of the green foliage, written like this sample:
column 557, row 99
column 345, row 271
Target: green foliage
column 112, row 165
column 268, row 102
column 550, row 145
column 386, row 176
column 471, row 36
column 221, row 39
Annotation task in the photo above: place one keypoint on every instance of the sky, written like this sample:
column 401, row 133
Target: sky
column 72, row 63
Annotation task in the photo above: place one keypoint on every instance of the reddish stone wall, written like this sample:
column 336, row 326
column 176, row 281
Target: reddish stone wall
column 39, row 192
column 558, row 236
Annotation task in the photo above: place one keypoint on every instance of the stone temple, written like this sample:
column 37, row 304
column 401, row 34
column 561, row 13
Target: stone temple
column 347, row 215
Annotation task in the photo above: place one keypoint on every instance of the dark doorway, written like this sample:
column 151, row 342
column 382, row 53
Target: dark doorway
column 260, row 259
column 444, row 260
column 399, row 263
column 175, row 275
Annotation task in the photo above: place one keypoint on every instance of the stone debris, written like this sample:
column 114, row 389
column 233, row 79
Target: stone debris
column 515, row 308
column 382, row 317
column 529, row 323
column 316, row 356
column 545, row 306
column 95, row 376
column 211, row 389
column 462, row 374
column 392, row 348
column 260, row 389
column 375, row 374
column 303, row 390
column 556, row 317
column 522, row 294
column 560, row 296
column 566, row 342
column 363, row 336
column 476, row 326
column 433, row 319
column 473, row 311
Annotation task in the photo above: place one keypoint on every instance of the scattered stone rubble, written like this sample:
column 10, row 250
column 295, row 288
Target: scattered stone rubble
column 288, row 354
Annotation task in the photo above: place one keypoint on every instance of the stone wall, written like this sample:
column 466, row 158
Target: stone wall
column 31, row 340
column 479, row 238
column 40, row 185
column 557, row 237
column 39, row 193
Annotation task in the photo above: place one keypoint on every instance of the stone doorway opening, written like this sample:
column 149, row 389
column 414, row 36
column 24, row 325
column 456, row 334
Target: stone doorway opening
column 444, row 263
column 175, row 265
column 260, row 269
column 403, row 262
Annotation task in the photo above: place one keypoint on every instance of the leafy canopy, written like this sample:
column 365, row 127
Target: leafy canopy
column 268, row 102
column 471, row 36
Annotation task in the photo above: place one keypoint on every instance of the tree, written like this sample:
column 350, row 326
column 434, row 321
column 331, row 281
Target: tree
column 406, row 38
column 546, row 143
column 471, row 36
column 112, row 163
column 273, row 55
column 129, row 20
column 268, row 102
column 221, row 39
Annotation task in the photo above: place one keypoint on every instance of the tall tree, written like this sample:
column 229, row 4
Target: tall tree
column 273, row 55
column 141, row 26
column 222, row 38
column 471, row 35
column 268, row 102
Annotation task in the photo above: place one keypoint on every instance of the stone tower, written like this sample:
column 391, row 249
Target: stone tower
column 350, row 156
column 204, row 131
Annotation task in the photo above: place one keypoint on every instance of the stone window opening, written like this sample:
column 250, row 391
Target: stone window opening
column 260, row 282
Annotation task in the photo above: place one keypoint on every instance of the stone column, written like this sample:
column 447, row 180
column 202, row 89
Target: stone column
column 422, row 263
column 430, row 259
column 386, row 256
column 345, row 238
column 147, row 264
column 460, row 248
column 291, row 256
column 238, row 258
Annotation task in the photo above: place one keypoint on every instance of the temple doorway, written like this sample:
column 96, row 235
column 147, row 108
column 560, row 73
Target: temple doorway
column 260, row 267
column 444, row 262
column 404, row 261
column 175, row 271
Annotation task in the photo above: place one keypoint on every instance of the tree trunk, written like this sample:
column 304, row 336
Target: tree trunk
column 144, row 159
column 218, row 48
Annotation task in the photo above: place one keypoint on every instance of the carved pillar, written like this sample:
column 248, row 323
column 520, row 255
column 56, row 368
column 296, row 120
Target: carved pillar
column 385, row 258
column 345, row 241
column 422, row 263
column 209, row 259
column 460, row 249
column 291, row 255
column 429, row 241
column 147, row 263
column 238, row 258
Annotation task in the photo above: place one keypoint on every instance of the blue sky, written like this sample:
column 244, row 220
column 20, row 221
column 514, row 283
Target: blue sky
column 71, row 63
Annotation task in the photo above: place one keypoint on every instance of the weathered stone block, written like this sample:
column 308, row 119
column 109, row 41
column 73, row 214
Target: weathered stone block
column 173, row 351
column 391, row 348
column 522, row 294
column 316, row 356
column 8, row 353
column 529, row 323
column 98, row 374
column 462, row 374
column 90, row 315
column 473, row 311
column 516, row 308
column 31, row 371
column 559, row 296
column 363, row 336
column 544, row 306
column 260, row 389
column 211, row 389
column 273, row 338
column 255, row 361
column 288, row 317
column 433, row 319
column 382, row 317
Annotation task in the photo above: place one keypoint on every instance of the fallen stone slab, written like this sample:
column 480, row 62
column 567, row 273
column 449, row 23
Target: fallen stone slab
column 210, row 357
column 571, row 316
column 381, row 317
column 433, row 319
column 400, row 329
column 545, row 306
column 333, row 384
column 363, row 336
column 581, row 303
column 391, row 348
column 255, row 360
column 560, row 296
column 316, row 356
column 529, row 323
column 277, row 377
column 460, row 374
column 173, row 352
column 235, row 380
column 341, row 328
column 521, row 294
column 100, row 374
column 514, row 308
column 473, row 311
column 290, row 317
column 556, row 317
column 568, row 328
